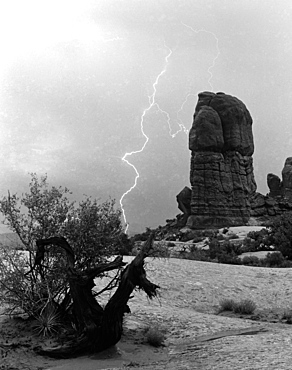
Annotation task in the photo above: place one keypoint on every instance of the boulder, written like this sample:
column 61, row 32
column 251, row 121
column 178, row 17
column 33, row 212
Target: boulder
column 275, row 185
column 222, row 179
column 184, row 204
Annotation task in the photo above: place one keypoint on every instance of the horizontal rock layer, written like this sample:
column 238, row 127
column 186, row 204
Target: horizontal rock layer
column 221, row 173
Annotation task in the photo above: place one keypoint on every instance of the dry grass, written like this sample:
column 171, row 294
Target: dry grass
column 155, row 337
column 244, row 307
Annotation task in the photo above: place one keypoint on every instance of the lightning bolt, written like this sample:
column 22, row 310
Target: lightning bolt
column 151, row 99
column 153, row 103
column 217, row 47
column 179, row 121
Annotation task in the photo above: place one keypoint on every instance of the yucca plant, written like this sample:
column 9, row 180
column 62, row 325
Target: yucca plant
column 48, row 321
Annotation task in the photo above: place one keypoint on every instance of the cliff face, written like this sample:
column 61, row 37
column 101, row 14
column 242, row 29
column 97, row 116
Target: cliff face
column 222, row 179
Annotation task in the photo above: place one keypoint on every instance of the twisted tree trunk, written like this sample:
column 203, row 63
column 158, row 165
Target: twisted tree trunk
column 98, row 328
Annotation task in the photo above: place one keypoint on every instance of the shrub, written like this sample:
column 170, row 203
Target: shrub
column 251, row 261
column 257, row 241
column 274, row 259
column 225, row 252
column 93, row 230
column 287, row 315
column 155, row 337
column 245, row 307
column 281, row 234
column 226, row 304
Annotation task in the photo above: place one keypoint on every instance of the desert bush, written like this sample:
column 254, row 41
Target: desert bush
column 248, row 245
column 225, row 252
column 251, row 261
column 281, row 234
column 245, row 307
column 257, row 241
column 287, row 315
column 274, row 259
column 226, row 304
column 93, row 230
column 155, row 337
column 125, row 245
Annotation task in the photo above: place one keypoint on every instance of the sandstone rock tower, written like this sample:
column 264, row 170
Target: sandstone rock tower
column 222, row 179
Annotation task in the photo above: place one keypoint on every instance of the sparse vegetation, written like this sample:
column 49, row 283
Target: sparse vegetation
column 226, row 304
column 244, row 307
column 48, row 322
column 287, row 316
column 251, row 261
column 281, row 234
column 155, row 337
column 225, row 252
column 257, row 241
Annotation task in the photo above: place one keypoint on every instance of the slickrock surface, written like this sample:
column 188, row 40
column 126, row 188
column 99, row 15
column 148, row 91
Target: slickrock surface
column 186, row 310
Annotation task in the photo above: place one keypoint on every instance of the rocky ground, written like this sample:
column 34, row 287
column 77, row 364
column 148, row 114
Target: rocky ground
column 187, row 312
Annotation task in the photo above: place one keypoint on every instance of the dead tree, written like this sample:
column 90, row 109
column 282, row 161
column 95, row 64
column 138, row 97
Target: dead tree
column 98, row 327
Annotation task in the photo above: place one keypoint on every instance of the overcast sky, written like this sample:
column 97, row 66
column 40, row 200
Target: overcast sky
column 85, row 82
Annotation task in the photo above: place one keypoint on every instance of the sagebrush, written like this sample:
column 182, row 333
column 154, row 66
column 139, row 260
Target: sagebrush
column 93, row 229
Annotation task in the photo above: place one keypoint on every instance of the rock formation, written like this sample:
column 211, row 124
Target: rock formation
column 279, row 199
column 274, row 184
column 287, row 179
column 184, row 204
column 222, row 179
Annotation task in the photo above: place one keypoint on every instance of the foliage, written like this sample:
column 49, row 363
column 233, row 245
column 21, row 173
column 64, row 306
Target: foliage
column 245, row 307
column 225, row 252
column 125, row 245
column 155, row 337
column 48, row 322
column 257, row 241
column 281, row 234
column 287, row 315
column 251, row 261
column 274, row 259
column 226, row 304
column 93, row 229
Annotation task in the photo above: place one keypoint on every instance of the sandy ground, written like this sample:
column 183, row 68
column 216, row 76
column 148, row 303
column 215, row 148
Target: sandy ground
column 186, row 310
